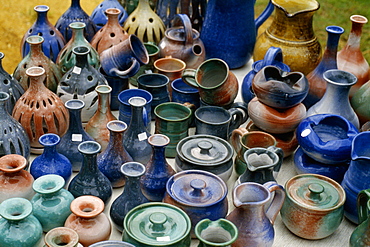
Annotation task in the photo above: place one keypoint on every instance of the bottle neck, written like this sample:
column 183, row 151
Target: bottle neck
column 132, row 185
column 116, row 140
column 37, row 83
column 75, row 122
column 354, row 38
column 159, row 159
column 137, row 123
column 77, row 34
column 42, row 18
column 35, row 49
column 89, row 164
column 329, row 58
column 82, row 60
column 103, row 103
column 75, row 3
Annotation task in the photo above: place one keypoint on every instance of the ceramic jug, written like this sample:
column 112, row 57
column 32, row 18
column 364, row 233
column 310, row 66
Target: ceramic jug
column 229, row 30
column 291, row 30
column 253, row 220
column 361, row 235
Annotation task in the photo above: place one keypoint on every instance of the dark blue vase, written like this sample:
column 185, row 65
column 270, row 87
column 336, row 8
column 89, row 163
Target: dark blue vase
column 74, row 135
column 153, row 182
column 111, row 160
column 131, row 195
column 50, row 161
column 53, row 39
column 99, row 17
column 90, row 180
column 73, row 14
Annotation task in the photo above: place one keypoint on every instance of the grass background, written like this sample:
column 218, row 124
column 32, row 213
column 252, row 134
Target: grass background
column 16, row 17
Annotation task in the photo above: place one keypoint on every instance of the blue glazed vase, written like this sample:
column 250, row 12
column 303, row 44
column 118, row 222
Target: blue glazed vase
column 90, row 180
column 99, row 17
column 18, row 226
column 74, row 135
column 53, row 39
column 51, row 204
column 111, row 159
column 50, row 161
column 153, row 182
column 72, row 14
column 131, row 196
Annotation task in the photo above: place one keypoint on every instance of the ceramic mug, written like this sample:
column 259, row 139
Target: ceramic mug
column 173, row 120
column 182, row 92
column 221, row 232
column 169, row 66
column 215, row 120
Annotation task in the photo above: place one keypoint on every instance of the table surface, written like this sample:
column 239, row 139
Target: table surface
column 283, row 237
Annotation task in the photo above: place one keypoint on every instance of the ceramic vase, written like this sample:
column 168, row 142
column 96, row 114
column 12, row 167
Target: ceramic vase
column 61, row 236
column 80, row 82
column 40, row 111
column 15, row 181
column 350, row 58
column 99, row 16
column 97, row 126
column 51, row 202
column 336, row 97
column 74, row 135
column 329, row 61
column 90, row 180
column 37, row 58
column 18, row 226
column 13, row 137
column 111, row 33
column 67, row 59
column 50, row 161
column 136, row 136
column 158, row 172
column 53, row 39
column 110, row 160
column 88, row 220
column 132, row 194
column 10, row 85
column 72, row 14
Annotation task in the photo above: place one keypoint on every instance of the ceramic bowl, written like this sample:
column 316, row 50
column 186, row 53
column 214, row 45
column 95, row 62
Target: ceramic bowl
column 275, row 121
column 326, row 138
column 112, row 243
column 279, row 89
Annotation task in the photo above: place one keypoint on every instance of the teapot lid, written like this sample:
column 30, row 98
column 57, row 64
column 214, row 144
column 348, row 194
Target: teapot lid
column 196, row 188
column 315, row 191
column 157, row 224
column 205, row 150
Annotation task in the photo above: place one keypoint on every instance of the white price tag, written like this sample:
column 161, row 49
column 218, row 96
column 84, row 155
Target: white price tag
column 306, row 132
column 76, row 137
column 142, row 136
column 76, row 70
column 163, row 239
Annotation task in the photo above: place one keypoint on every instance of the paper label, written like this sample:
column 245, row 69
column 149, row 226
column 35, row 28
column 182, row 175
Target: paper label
column 306, row 132
column 76, row 70
column 163, row 239
column 142, row 136
column 76, row 137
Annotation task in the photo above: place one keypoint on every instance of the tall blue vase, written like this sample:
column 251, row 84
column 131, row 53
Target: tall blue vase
column 50, row 161
column 53, row 39
column 74, row 135
column 100, row 18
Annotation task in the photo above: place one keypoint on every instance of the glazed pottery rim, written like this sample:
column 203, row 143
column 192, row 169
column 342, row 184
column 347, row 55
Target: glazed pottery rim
column 54, row 233
column 112, row 11
column 152, row 140
column 77, row 25
column 122, row 94
column 35, row 71
column 175, row 104
column 332, row 73
column 169, row 59
column 158, row 204
column 137, row 101
column 15, row 203
column 152, row 46
column 81, row 50
column 134, row 41
column 117, row 126
column 136, row 175
column 74, row 104
column 167, row 80
column 254, row 150
column 87, row 201
column 41, row 8
column 359, row 19
column 48, row 184
column 198, row 232
column 84, row 147
column 218, row 108
column 309, row 9
column 112, row 243
column 332, row 182
column 192, row 90
column 334, row 29
column 49, row 139
column 18, row 163
column 256, row 132
column 34, row 40
column 240, row 186
column 213, row 60
column 103, row 89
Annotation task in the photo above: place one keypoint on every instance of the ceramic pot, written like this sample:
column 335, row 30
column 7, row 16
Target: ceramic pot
column 291, row 30
column 220, row 232
column 99, row 16
column 13, row 137
column 313, row 208
column 273, row 120
column 359, row 236
column 168, row 226
column 199, row 193
column 182, row 92
column 51, row 202
column 317, row 139
column 61, row 236
column 205, row 152
column 18, row 227
column 183, row 42
column 15, row 181
column 170, row 67
column 89, row 220
column 53, row 39
column 111, row 243
column 40, row 111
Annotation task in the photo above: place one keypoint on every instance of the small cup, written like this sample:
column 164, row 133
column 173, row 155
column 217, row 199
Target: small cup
column 221, row 232
column 182, row 92
column 169, row 66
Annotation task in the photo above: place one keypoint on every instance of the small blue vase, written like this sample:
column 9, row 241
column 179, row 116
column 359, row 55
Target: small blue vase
column 75, row 13
column 50, row 161
column 74, row 135
column 90, row 180
column 99, row 17
column 131, row 196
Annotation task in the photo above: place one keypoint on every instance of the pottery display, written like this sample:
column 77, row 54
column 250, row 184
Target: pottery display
column 99, row 16
column 291, row 30
column 15, row 181
column 183, row 42
column 313, row 208
column 40, row 111
column 61, row 236
column 220, row 232
column 360, row 236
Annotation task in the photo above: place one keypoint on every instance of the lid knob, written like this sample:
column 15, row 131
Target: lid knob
column 158, row 219
column 315, row 190
column 198, row 185
column 205, row 146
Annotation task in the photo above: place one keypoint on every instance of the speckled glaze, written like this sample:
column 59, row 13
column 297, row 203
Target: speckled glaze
column 313, row 208
column 217, row 85
column 273, row 120
column 220, row 232
column 61, row 236
column 360, row 236
column 326, row 138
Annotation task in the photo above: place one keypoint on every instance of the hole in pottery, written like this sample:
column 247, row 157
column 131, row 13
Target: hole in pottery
column 90, row 78
column 39, row 34
column 197, row 49
column 52, row 33
column 2, row 150
column 15, row 213
column 112, row 35
column 151, row 20
column 30, row 31
column 87, row 210
column 6, row 82
column 5, row 131
column 133, row 19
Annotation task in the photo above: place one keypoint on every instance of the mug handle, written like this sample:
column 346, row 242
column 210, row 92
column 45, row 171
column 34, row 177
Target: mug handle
column 236, row 134
column 237, row 117
column 121, row 73
column 188, row 76
column 363, row 204
column 192, row 107
column 277, row 200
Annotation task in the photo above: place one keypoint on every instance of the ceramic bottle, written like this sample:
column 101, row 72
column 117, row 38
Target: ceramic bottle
column 61, row 236
column 99, row 16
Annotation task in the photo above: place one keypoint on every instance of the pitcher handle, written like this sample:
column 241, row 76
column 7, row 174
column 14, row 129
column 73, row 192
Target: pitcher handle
column 188, row 76
column 277, row 201
column 264, row 15
column 272, row 55
column 237, row 117
column 363, row 204
column 235, row 138
column 187, row 27
column 280, row 154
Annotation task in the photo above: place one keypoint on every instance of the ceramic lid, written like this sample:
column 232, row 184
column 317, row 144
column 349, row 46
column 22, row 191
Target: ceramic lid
column 315, row 192
column 205, row 150
column 196, row 188
column 157, row 224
